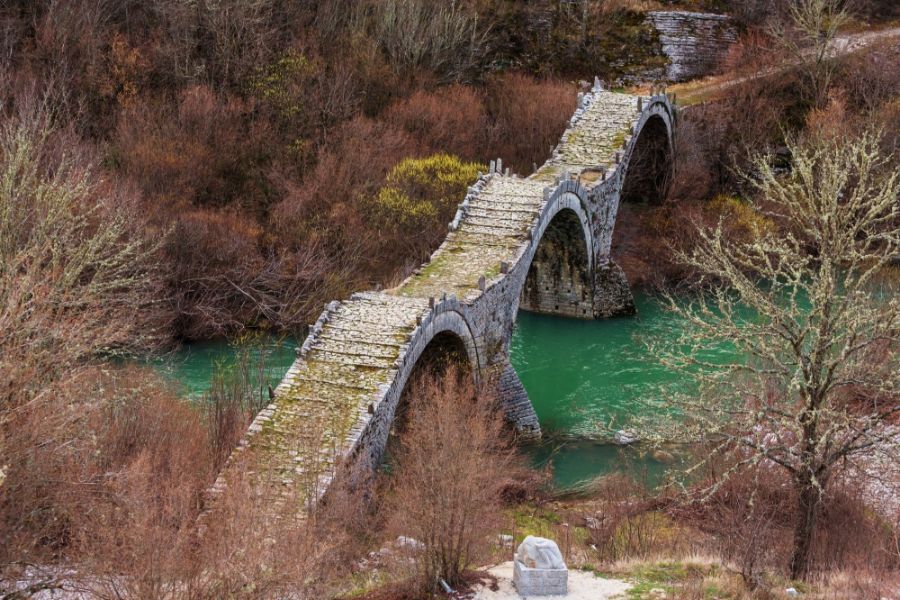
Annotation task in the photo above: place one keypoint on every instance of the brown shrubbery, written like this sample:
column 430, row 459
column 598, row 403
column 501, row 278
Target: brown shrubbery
column 104, row 496
column 751, row 516
column 455, row 459
column 203, row 151
column 114, row 482
column 249, row 121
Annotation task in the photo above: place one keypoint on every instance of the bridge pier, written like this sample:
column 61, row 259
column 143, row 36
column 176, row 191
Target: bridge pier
column 612, row 294
column 515, row 402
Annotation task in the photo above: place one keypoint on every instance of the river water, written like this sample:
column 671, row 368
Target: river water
column 586, row 379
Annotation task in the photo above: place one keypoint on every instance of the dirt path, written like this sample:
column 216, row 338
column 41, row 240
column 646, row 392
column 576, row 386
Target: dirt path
column 708, row 88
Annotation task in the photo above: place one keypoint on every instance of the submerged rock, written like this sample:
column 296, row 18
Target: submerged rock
column 624, row 437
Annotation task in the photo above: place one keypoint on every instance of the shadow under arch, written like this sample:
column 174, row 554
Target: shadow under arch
column 650, row 166
column 559, row 277
column 446, row 352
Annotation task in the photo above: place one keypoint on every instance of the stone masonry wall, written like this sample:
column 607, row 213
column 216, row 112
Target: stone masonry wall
column 695, row 43
column 559, row 278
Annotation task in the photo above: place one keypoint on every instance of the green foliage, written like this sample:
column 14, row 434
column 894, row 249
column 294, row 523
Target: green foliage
column 420, row 193
column 276, row 84
column 742, row 218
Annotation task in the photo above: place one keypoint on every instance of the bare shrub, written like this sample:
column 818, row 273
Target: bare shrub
column 852, row 535
column 108, row 467
column 806, row 36
column 749, row 521
column 174, row 152
column 868, row 77
column 253, row 549
column 210, row 257
column 326, row 210
column 625, row 521
column 444, row 38
column 219, row 43
column 76, row 276
column 238, row 390
column 529, row 116
column 451, row 119
column 748, row 518
column 222, row 276
column 446, row 491
column 715, row 140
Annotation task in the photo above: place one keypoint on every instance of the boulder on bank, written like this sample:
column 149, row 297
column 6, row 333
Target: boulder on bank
column 540, row 553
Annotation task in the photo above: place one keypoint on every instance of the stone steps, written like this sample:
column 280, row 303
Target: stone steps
column 496, row 221
column 502, row 211
column 493, row 231
column 355, row 341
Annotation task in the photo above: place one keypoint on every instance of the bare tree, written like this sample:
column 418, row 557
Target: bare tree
column 220, row 42
column 815, row 325
column 442, row 37
column 76, row 274
column 453, row 465
column 808, row 39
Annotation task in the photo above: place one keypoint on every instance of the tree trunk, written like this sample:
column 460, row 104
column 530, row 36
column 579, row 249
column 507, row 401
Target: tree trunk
column 807, row 515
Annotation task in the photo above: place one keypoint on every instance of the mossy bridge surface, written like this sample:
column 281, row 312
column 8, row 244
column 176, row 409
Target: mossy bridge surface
column 541, row 243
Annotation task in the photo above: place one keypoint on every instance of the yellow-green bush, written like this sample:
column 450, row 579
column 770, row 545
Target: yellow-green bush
column 277, row 84
column 421, row 194
column 741, row 217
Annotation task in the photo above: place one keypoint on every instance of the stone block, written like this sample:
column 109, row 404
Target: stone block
column 540, row 582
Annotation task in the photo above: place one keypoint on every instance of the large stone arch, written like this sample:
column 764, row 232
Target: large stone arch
column 559, row 279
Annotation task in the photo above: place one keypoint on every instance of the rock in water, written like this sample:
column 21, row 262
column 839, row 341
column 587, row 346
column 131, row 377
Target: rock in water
column 540, row 553
column 623, row 437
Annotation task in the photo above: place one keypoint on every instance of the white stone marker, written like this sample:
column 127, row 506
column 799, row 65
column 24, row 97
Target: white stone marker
column 539, row 569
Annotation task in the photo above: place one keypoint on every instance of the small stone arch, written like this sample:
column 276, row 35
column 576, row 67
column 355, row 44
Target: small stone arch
column 649, row 166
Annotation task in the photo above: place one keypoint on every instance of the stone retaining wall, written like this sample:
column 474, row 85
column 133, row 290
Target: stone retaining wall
column 695, row 43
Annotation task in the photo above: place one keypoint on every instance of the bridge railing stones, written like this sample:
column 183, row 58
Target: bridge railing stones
column 354, row 363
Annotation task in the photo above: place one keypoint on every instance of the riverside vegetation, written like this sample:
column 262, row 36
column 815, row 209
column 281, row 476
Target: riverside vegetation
column 175, row 171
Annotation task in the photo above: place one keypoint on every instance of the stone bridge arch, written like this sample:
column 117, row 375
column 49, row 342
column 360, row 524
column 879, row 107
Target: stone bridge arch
column 444, row 328
column 650, row 158
column 559, row 279
column 336, row 403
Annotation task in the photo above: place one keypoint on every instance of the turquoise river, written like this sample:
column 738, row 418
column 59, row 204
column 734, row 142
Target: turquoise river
column 585, row 379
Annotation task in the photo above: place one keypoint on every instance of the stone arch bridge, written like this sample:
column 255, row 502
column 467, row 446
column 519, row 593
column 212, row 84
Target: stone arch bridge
column 541, row 243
